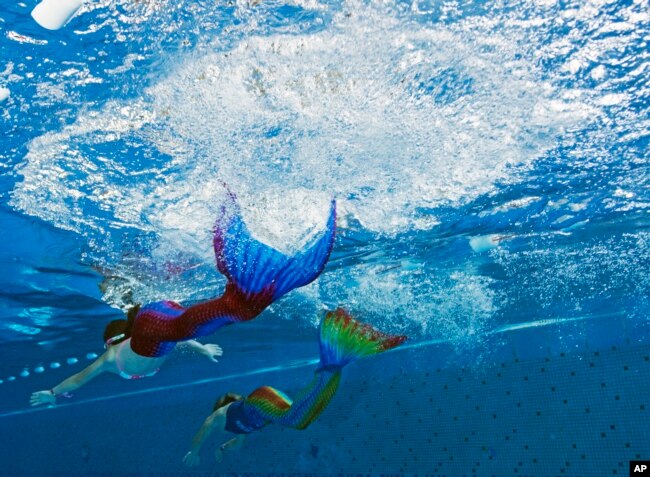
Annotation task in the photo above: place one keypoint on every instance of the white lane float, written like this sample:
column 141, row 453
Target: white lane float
column 54, row 14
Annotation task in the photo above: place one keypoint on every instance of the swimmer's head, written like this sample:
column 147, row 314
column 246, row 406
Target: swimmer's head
column 119, row 330
column 227, row 399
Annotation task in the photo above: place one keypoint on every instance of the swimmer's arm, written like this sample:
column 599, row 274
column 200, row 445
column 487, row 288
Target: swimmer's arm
column 230, row 445
column 209, row 350
column 215, row 420
column 75, row 381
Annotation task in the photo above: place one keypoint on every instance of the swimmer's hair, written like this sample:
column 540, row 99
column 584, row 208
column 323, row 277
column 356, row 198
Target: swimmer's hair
column 227, row 399
column 118, row 327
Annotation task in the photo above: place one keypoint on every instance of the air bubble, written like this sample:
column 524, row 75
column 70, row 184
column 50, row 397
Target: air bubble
column 72, row 360
column 55, row 365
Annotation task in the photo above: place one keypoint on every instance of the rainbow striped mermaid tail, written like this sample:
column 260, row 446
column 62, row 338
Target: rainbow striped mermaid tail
column 257, row 269
column 344, row 339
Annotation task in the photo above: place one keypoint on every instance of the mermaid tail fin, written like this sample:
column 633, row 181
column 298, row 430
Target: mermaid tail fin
column 257, row 268
column 344, row 339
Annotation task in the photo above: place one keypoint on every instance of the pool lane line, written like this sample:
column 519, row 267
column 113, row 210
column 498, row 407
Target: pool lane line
column 302, row 364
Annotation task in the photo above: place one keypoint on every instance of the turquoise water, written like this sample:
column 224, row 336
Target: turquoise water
column 490, row 165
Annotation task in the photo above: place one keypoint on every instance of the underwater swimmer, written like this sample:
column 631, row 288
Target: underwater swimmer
column 257, row 276
column 342, row 340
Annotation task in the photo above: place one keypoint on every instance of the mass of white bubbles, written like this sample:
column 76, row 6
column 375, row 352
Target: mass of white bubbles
column 385, row 113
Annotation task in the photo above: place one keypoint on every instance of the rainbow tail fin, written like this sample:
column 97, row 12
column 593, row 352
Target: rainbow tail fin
column 256, row 268
column 344, row 339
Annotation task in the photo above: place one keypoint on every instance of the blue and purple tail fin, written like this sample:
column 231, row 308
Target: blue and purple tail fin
column 344, row 339
column 257, row 268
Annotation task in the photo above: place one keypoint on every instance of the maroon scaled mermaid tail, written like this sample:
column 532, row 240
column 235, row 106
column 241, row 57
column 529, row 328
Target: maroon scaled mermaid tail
column 257, row 276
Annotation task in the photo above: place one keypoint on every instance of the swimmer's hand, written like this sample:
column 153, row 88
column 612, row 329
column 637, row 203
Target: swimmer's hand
column 212, row 351
column 42, row 397
column 192, row 459
column 218, row 454
column 209, row 350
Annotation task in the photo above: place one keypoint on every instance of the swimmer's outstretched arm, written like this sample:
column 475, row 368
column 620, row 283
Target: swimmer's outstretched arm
column 232, row 444
column 215, row 420
column 99, row 366
column 210, row 350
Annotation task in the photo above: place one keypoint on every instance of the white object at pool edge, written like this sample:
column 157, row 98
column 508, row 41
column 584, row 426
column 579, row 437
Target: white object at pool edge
column 53, row 14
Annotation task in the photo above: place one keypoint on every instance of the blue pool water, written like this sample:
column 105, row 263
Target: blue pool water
column 490, row 163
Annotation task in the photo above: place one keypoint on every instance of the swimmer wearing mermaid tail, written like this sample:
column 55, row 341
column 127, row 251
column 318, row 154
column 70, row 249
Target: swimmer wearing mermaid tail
column 257, row 275
column 342, row 340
